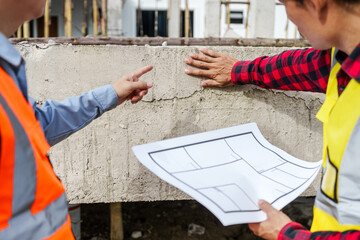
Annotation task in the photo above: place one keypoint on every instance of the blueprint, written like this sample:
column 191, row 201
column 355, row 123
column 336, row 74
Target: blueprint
column 229, row 171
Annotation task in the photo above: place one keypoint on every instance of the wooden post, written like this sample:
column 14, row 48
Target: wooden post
column 228, row 14
column 104, row 17
column 26, row 30
column 46, row 19
column 139, row 20
column 68, row 18
column 95, row 18
column 247, row 19
column 187, row 18
column 116, row 224
column 19, row 32
column 84, row 29
column 168, row 13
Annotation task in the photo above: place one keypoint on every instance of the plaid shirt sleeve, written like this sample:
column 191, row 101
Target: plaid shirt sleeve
column 303, row 69
column 295, row 231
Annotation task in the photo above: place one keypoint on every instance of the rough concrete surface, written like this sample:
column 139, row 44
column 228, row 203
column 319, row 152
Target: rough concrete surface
column 96, row 164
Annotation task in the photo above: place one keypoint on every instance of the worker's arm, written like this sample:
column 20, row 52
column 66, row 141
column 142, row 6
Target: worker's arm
column 303, row 69
column 295, row 231
column 60, row 119
column 278, row 226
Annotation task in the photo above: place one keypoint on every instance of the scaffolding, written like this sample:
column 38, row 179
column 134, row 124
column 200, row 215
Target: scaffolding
column 95, row 12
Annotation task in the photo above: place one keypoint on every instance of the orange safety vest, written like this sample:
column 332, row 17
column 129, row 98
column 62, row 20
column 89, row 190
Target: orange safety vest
column 32, row 199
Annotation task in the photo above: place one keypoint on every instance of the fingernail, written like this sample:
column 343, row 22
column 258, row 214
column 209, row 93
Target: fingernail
column 187, row 60
column 261, row 202
column 192, row 55
column 149, row 84
column 187, row 70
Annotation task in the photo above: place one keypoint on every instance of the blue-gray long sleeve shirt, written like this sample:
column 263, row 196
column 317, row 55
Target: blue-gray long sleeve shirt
column 58, row 119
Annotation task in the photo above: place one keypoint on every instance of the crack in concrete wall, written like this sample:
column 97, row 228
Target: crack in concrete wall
column 97, row 164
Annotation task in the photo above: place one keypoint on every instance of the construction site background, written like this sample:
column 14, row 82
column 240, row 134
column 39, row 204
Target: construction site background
column 91, row 43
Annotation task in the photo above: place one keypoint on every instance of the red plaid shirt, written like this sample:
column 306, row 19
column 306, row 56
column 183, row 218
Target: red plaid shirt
column 304, row 70
column 296, row 231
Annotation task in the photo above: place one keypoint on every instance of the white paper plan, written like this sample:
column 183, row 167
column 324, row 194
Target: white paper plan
column 229, row 171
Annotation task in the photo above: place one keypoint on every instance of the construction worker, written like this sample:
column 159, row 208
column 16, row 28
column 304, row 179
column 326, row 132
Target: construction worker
column 332, row 66
column 32, row 199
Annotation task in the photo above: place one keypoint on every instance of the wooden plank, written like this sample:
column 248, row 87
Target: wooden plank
column 244, row 42
column 84, row 28
column 95, row 18
column 104, row 17
column 26, row 27
column 116, row 224
column 235, row 2
column 187, row 19
column 19, row 32
column 46, row 19
column 68, row 18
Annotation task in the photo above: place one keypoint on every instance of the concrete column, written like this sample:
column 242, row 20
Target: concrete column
column 114, row 28
column 212, row 18
column 261, row 18
column 174, row 18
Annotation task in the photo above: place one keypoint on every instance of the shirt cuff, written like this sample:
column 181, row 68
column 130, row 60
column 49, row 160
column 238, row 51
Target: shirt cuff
column 106, row 97
column 288, row 228
column 236, row 72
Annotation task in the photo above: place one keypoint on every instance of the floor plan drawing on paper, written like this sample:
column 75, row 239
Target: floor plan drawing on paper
column 229, row 170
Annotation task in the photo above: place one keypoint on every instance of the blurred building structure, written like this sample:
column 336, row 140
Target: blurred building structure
column 162, row 18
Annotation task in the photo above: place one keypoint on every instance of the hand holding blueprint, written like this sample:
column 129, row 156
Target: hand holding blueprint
column 229, row 171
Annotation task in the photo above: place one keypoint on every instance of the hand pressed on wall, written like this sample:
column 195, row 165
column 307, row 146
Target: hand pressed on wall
column 271, row 227
column 129, row 87
column 213, row 65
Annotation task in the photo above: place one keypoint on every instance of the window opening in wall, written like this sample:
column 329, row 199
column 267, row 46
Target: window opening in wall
column 237, row 17
column 148, row 24
column 182, row 20
column 53, row 28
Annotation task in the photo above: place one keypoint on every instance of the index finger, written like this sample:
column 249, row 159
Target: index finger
column 210, row 52
column 139, row 72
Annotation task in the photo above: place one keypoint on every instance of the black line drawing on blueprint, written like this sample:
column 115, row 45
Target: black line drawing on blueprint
column 232, row 172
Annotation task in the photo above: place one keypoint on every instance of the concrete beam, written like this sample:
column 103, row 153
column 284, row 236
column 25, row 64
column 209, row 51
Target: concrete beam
column 212, row 18
column 96, row 164
column 158, row 41
column 261, row 19
column 174, row 18
column 114, row 23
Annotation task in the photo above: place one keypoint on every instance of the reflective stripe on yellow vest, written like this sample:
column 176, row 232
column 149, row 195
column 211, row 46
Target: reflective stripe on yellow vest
column 337, row 204
column 32, row 199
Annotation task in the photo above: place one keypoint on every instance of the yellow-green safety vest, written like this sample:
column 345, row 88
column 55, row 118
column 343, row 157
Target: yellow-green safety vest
column 337, row 203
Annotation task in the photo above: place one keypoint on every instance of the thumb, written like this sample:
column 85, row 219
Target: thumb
column 140, row 85
column 266, row 207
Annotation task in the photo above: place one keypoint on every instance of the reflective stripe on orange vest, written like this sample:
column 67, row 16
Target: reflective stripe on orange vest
column 32, row 199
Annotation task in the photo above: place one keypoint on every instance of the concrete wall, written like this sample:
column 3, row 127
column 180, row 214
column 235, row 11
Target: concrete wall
column 97, row 164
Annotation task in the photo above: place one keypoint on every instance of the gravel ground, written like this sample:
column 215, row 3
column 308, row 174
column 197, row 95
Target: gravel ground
column 175, row 220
